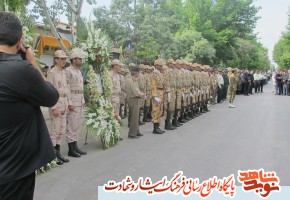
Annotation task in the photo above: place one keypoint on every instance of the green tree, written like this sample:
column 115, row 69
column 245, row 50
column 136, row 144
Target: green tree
column 282, row 48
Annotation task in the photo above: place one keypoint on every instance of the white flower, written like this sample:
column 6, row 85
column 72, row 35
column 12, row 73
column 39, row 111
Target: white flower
column 96, row 125
column 25, row 29
column 89, row 121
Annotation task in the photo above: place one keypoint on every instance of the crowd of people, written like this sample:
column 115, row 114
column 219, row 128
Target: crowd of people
column 281, row 82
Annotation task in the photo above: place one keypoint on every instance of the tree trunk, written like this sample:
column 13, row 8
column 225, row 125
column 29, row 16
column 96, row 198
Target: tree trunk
column 52, row 27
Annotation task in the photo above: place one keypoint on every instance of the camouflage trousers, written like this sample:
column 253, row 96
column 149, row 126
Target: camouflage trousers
column 157, row 110
column 169, row 105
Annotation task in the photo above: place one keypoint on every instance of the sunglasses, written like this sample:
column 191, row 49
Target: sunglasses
column 78, row 58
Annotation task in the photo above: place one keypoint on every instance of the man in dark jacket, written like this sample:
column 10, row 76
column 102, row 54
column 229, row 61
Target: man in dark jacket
column 25, row 145
column 246, row 82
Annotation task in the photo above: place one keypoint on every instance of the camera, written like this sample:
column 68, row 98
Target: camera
column 22, row 54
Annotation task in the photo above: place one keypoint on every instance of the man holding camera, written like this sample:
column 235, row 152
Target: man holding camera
column 25, row 145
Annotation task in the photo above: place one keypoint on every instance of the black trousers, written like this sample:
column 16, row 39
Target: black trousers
column 250, row 88
column 220, row 94
column 22, row 189
column 262, row 82
column 246, row 88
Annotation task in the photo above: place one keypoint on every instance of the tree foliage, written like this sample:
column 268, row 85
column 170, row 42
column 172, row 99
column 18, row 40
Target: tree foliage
column 282, row 48
column 204, row 31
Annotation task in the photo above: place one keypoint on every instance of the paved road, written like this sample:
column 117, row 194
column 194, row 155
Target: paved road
column 219, row 143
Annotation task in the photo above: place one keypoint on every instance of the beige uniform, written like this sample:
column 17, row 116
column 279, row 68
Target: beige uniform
column 76, row 94
column 134, row 100
column 58, row 79
column 116, row 96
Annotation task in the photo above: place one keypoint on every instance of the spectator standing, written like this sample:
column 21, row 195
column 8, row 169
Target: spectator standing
column 25, row 145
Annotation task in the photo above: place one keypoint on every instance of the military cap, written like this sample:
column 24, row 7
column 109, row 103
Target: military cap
column 178, row 61
column 131, row 65
column 60, row 54
column 76, row 54
column 117, row 62
column 170, row 61
column 158, row 62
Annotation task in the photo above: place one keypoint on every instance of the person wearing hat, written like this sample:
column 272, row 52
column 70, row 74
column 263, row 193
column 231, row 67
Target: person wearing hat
column 167, row 99
column 233, row 87
column 172, row 102
column 131, row 66
column 134, row 99
column 116, row 79
column 157, row 88
column 57, row 76
column 76, row 97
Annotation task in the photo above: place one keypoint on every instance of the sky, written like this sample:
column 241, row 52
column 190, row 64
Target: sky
column 273, row 21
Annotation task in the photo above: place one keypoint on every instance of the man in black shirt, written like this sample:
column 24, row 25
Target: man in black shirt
column 25, row 145
column 246, row 82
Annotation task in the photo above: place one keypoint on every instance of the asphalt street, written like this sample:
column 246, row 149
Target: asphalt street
column 253, row 135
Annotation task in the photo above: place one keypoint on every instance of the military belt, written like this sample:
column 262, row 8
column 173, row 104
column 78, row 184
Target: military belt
column 63, row 95
column 76, row 91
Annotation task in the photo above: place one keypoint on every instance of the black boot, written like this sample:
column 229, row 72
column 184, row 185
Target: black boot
column 71, row 151
column 78, row 150
column 58, row 155
column 168, row 125
column 174, row 121
column 146, row 114
column 58, row 161
column 156, row 129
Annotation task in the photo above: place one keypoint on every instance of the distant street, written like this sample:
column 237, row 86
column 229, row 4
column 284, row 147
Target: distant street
column 254, row 135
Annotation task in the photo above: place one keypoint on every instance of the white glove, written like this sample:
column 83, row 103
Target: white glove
column 157, row 99
column 190, row 94
column 169, row 97
column 145, row 97
column 207, row 91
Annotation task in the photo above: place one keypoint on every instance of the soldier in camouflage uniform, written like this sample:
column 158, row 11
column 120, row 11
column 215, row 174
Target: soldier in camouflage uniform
column 172, row 104
column 196, row 88
column 167, row 99
column 183, row 118
column 179, row 85
column 157, row 88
